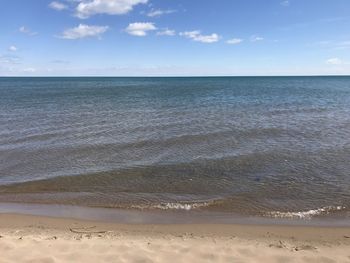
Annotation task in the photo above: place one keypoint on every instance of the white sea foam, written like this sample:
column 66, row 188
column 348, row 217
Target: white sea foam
column 306, row 214
column 180, row 206
column 173, row 206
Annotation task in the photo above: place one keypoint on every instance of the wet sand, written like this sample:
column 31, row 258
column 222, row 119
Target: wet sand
column 26, row 238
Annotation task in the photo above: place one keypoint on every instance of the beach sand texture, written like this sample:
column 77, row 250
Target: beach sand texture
column 43, row 239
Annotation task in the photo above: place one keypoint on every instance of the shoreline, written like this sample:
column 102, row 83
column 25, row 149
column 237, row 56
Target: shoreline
column 25, row 237
column 135, row 216
column 303, row 233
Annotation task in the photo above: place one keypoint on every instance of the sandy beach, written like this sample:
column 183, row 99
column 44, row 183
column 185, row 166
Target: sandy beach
column 25, row 238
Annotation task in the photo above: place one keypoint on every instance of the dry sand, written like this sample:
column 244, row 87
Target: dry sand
column 43, row 239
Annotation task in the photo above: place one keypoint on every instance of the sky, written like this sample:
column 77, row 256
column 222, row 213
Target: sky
column 174, row 37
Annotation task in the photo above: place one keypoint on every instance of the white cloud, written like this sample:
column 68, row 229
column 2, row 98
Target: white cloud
column 58, row 6
column 159, row 12
column 197, row 36
column 256, row 38
column 12, row 48
column 342, row 45
column 27, row 31
column 60, row 61
column 334, row 61
column 9, row 59
column 87, row 8
column 285, row 3
column 29, row 70
column 83, row 31
column 331, row 44
column 234, row 41
column 166, row 32
column 140, row 29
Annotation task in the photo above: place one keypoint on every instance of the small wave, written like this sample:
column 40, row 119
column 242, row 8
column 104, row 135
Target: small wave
column 174, row 206
column 306, row 214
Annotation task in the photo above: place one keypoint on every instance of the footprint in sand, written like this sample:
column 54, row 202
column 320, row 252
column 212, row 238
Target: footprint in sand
column 305, row 247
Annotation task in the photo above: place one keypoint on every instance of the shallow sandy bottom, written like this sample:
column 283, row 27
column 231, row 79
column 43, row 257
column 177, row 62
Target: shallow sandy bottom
column 43, row 239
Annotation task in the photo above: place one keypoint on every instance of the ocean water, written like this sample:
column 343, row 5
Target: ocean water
column 265, row 146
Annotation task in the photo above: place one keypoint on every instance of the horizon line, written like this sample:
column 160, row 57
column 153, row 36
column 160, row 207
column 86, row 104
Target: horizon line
column 176, row 76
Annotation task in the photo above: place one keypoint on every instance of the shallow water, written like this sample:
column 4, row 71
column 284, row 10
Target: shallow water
column 271, row 146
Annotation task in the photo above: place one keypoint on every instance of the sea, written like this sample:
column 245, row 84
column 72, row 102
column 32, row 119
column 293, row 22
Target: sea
column 275, row 147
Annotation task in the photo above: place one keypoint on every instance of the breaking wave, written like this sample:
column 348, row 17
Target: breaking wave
column 175, row 206
column 306, row 214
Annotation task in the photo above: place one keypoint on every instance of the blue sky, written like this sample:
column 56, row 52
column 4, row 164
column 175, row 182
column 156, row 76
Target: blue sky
column 174, row 37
